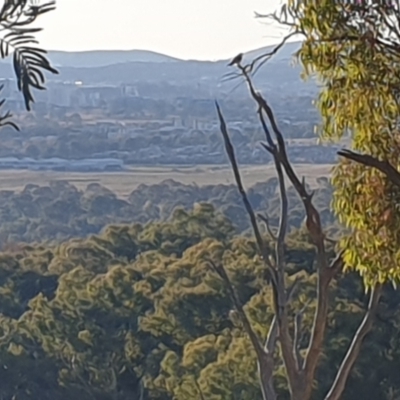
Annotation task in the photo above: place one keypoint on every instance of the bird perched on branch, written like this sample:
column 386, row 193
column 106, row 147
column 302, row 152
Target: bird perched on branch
column 236, row 60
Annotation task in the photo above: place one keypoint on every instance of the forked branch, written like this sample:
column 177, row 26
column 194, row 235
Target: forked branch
column 326, row 271
column 314, row 227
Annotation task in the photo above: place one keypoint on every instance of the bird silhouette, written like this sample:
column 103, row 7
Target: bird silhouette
column 236, row 60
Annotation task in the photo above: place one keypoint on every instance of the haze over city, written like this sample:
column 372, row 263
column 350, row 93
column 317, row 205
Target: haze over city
column 188, row 29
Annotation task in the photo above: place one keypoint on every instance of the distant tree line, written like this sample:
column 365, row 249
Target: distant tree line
column 61, row 211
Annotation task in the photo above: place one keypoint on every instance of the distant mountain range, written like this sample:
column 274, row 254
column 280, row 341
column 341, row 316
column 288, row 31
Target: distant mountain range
column 102, row 58
column 200, row 78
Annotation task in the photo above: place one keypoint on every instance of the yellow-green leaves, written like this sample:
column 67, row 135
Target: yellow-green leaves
column 354, row 61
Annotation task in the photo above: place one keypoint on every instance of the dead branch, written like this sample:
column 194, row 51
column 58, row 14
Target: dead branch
column 277, row 275
column 325, row 273
column 314, row 227
column 264, row 358
column 298, row 319
column 296, row 345
column 291, row 290
column 270, row 343
column 220, row 270
column 280, row 244
column 280, row 239
column 300, row 374
column 232, row 158
column 271, row 148
column 365, row 327
column 314, row 350
column 266, row 372
column 283, row 323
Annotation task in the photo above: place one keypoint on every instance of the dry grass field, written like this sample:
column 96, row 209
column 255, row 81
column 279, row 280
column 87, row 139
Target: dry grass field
column 124, row 182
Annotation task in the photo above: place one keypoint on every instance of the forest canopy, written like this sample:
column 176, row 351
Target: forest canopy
column 61, row 211
column 95, row 317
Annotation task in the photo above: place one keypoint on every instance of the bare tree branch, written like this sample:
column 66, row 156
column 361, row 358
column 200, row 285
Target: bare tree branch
column 283, row 322
column 232, row 158
column 297, row 331
column 277, row 275
column 325, row 276
column 280, row 243
column 290, row 291
column 314, row 227
column 264, row 358
column 325, row 273
column 270, row 343
column 220, row 270
column 342, row 376
column 266, row 376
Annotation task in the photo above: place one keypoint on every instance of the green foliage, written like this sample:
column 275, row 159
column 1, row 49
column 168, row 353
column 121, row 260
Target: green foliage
column 60, row 211
column 351, row 50
column 92, row 318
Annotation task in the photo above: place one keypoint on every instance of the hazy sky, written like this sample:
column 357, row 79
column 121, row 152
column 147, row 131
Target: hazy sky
column 200, row 29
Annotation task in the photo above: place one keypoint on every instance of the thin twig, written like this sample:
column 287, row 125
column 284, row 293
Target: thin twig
column 265, row 373
column 291, row 290
column 263, row 58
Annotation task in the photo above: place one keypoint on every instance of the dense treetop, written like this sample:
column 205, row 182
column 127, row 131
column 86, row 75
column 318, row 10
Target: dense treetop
column 138, row 303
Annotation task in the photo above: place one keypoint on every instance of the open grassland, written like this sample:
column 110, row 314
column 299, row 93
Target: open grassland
column 123, row 182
